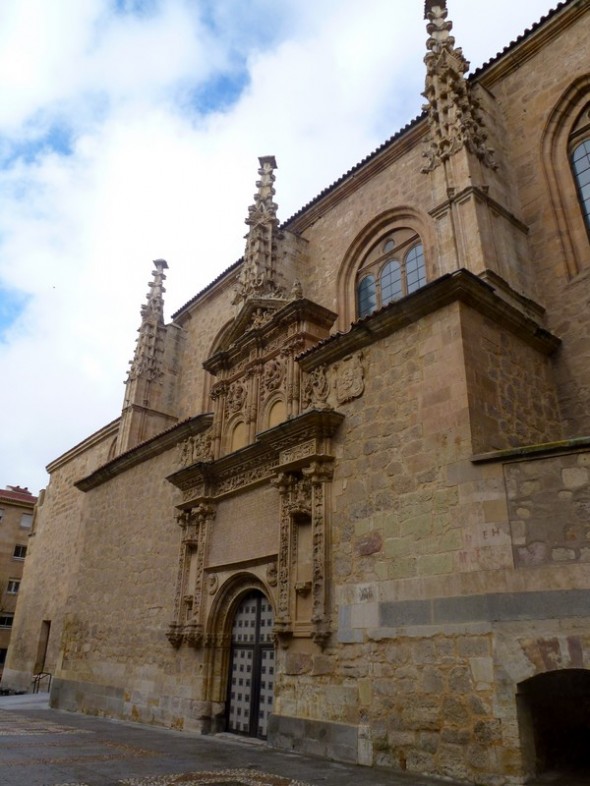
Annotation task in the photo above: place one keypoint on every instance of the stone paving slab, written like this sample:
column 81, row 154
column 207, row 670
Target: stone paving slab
column 44, row 747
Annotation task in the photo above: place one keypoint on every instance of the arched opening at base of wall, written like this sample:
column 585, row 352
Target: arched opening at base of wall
column 554, row 720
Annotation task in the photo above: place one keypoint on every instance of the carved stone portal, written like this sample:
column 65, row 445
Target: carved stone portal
column 296, row 457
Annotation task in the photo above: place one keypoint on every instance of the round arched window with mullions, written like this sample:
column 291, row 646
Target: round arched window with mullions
column 392, row 269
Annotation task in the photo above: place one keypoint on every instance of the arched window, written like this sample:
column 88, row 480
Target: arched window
column 581, row 167
column 366, row 296
column 392, row 269
column 566, row 140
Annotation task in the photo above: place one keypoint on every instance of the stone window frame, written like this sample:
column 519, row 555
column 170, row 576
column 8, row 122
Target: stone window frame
column 403, row 217
column 565, row 126
column 394, row 248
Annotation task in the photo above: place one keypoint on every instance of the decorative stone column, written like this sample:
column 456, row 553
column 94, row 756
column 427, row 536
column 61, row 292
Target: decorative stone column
column 188, row 607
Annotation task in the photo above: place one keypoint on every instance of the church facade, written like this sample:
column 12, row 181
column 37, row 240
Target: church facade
column 346, row 506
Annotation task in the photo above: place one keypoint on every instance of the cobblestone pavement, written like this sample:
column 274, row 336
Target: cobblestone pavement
column 44, row 747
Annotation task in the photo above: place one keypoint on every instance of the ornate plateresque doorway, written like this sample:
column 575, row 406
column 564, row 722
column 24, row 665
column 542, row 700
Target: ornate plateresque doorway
column 251, row 674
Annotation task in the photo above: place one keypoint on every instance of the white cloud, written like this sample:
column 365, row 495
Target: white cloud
column 148, row 176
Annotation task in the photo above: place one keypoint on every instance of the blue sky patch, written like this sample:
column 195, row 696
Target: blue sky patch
column 136, row 7
column 256, row 24
column 219, row 92
column 12, row 304
column 57, row 139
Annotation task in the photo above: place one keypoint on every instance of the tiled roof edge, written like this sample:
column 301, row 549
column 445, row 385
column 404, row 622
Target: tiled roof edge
column 527, row 32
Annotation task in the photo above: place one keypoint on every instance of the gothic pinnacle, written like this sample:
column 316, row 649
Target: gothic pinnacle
column 146, row 360
column 454, row 114
column 258, row 276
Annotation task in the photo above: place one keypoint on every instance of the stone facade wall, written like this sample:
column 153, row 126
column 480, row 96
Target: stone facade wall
column 14, row 532
column 512, row 391
column 417, row 577
column 528, row 102
column 53, row 556
column 394, row 517
column 549, row 508
column 121, row 604
column 194, row 382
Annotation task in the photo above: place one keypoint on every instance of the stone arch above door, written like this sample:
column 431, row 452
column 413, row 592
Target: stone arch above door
column 218, row 638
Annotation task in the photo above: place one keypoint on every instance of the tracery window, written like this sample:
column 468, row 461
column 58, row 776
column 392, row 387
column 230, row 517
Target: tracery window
column 581, row 167
column 393, row 269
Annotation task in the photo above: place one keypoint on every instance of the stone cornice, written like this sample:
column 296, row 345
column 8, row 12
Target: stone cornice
column 287, row 447
column 528, row 452
column 461, row 286
column 109, row 431
column 145, row 451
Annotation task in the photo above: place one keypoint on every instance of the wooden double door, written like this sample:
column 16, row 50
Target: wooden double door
column 252, row 667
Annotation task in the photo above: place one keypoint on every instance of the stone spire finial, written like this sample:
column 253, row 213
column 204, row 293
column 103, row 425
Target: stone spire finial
column 454, row 113
column 258, row 277
column 429, row 4
column 147, row 358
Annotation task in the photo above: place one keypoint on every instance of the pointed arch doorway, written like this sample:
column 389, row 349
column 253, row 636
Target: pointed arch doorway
column 252, row 667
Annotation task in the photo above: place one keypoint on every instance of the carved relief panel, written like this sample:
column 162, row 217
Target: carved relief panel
column 259, row 381
column 344, row 381
column 303, row 554
column 187, row 623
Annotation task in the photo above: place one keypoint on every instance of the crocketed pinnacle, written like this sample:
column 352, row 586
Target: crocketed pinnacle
column 258, row 276
column 147, row 358
column 454, row 114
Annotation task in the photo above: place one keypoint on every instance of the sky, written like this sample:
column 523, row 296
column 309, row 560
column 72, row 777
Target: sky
column 130, row 130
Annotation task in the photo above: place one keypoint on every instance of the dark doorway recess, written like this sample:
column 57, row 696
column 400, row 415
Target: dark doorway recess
column 251, row 677
column 554, row 714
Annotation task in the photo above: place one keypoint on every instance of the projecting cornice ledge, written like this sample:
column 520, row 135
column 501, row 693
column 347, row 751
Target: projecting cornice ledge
column 461, row 286
column 145, row 451
column 288, row 447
